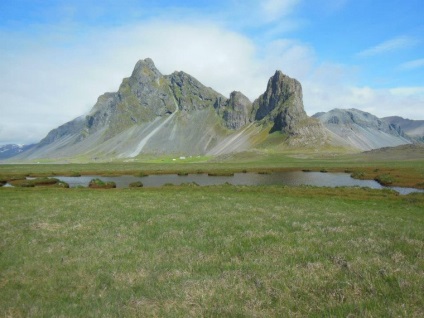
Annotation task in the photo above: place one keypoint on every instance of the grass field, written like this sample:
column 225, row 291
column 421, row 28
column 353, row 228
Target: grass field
column 220, row 251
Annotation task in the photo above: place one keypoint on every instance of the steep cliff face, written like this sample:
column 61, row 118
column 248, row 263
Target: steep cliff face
column 236, row 111
column 190, row 94
column 281, row 104
column 362, row 130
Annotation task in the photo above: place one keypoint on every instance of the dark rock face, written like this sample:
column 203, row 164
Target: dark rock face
column 190, row 94
column 141, row 97
column 236, row 111
column 281, row 104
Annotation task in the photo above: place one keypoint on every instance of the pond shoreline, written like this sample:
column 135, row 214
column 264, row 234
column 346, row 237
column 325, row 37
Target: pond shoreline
column 291, row 178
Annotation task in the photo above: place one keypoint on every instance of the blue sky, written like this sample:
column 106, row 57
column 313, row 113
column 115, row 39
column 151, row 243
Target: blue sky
column 57, row 57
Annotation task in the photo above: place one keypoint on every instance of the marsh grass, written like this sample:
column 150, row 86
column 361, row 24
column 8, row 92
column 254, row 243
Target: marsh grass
column 38, row 182
column 136, row 184
column 100, row 184
column 405, row 165
column 385, row 179
column 211, row 251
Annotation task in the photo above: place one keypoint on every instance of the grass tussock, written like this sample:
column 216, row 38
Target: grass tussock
column 211, row 251
column 99, row 184
column 137, row 184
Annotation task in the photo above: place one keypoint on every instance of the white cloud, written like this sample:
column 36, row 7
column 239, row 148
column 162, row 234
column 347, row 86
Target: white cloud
column 394, row 44
column 406, row 102
column 273, row 9
column 412, row 64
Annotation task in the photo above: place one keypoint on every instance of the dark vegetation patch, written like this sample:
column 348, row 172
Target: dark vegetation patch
column 141, row 174
column 38, row 182
column 221, row 174
column 99, row 184
column 137, row 184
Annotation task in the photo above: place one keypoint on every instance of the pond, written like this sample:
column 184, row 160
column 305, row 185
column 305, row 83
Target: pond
column 292, row 178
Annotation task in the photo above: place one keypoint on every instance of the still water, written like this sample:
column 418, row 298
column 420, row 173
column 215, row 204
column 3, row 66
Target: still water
column 293, row 178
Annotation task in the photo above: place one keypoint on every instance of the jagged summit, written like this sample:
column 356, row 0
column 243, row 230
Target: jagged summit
column 281, row 103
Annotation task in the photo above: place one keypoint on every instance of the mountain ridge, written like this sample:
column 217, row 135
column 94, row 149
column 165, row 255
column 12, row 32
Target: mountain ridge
column 158, row 114
column 361, row 129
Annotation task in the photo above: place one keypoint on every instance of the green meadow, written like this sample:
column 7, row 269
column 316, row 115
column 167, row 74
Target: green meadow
column 220, row 251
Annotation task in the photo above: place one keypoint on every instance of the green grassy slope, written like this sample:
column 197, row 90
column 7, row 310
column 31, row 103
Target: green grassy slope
column 211, row 251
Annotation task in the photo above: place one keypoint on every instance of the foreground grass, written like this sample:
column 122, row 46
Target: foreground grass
column 211, row 252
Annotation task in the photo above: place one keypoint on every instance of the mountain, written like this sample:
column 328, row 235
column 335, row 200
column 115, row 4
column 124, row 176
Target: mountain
column 158, row 114
column 175, row 114
column 362, row 130
column 11, row 150
column 281, row 106
column 413, row 128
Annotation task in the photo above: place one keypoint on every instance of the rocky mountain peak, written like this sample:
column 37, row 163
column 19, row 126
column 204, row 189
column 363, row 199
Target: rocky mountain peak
column 144, row 68
column 281, row 103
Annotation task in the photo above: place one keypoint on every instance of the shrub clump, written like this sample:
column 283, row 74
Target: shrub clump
column 75, row 174
column 99, row 184
column 62, row 184
column 44, row 181
column 137, row 184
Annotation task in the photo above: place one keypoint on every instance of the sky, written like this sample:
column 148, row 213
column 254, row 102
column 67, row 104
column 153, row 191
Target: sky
column 58, row 56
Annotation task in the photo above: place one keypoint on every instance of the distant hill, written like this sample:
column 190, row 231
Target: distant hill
column 10, row 150
column 413, row 128
column 362, row 130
